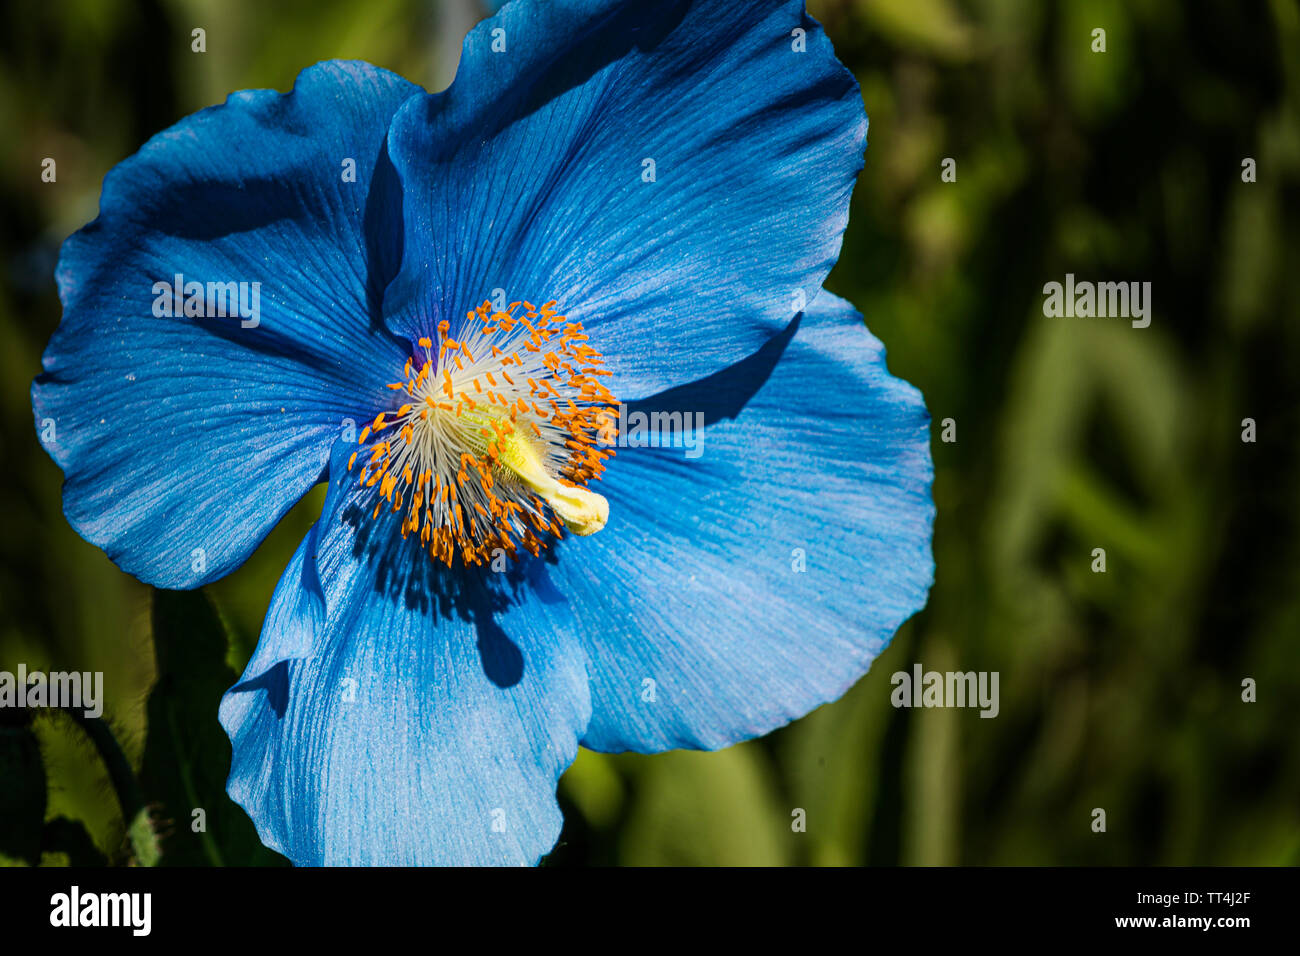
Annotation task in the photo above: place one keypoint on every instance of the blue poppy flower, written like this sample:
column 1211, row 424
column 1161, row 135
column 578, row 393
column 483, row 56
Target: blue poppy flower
column 446, row 306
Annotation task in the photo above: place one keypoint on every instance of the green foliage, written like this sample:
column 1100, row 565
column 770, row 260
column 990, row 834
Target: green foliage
column 22, row 796
column 1119, row 690
column 187, row 754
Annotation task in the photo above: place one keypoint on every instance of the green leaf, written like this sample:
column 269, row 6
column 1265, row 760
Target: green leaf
column 22, row 795
column 187, row 754
column 139, row 828
column 68, row 840
column 708, row 809
column 594, row 786
column 933, row 27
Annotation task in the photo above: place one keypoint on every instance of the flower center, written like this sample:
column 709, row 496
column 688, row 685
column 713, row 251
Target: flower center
column 496, row 436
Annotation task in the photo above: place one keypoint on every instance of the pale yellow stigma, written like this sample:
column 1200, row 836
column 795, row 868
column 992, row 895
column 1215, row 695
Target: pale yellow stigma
column 583, row 512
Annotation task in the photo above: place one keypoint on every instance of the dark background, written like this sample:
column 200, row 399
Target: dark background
column 1120, row 691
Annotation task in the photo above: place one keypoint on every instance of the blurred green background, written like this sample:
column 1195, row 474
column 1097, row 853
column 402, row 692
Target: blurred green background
column 1119, row 690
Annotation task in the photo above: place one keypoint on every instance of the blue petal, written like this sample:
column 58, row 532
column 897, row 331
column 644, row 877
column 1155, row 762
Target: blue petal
column 758, row 580
column 527, row 175
column 183, row 440
column 391, row 721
